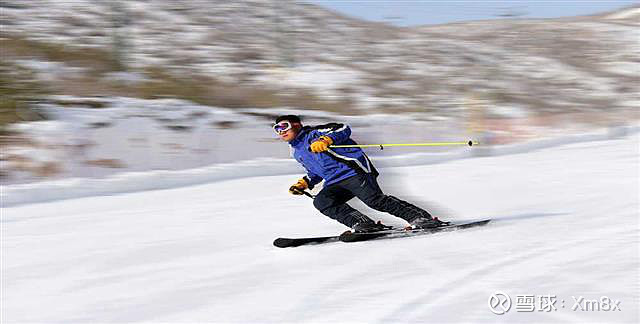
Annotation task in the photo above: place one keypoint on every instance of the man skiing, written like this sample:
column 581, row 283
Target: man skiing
column 347, row 173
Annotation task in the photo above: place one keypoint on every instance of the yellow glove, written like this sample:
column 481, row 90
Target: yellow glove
column 297, row 188
column 321, row 145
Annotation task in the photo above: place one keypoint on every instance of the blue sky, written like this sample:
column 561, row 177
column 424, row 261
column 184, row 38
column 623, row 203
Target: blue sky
column 409, row 13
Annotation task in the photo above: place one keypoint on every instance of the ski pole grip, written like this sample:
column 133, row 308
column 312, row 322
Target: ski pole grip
column 304, row 192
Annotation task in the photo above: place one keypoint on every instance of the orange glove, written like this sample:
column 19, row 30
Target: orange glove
column 321, row 144
column 297, row 188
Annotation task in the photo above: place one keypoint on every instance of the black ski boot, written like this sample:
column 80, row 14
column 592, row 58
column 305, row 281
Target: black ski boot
column 364, row 224
column 369, row 227
column 426, row 222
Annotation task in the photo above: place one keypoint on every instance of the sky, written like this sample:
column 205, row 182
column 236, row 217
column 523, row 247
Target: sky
column 418, row 12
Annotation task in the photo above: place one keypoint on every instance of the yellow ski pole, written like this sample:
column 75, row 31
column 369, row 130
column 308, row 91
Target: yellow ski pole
column 381, row 146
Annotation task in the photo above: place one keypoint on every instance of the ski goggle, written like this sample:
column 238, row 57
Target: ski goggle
column 281, row 127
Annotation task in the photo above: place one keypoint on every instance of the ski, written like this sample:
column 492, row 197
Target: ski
column 283, row 242
column 397, row 233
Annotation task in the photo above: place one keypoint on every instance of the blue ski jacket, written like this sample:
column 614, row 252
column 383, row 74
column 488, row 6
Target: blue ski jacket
column 335, row 164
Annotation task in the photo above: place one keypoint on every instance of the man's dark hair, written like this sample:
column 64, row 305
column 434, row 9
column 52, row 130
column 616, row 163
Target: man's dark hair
column 291, row 118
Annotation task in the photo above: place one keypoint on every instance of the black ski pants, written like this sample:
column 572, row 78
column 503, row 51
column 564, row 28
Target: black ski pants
column 332, row 201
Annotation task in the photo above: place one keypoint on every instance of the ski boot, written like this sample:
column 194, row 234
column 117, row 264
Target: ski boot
column 369, row 226
column 426, row 222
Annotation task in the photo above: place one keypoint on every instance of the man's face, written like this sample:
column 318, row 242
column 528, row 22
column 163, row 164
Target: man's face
column 290, row 134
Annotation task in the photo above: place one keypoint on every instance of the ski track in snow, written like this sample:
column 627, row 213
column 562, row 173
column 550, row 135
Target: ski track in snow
column 566, row 224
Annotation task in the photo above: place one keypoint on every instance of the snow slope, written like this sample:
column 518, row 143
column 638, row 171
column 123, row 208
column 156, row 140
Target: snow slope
column 566, row 225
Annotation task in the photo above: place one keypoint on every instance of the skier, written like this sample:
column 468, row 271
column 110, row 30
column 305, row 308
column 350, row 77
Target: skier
column 347, row 173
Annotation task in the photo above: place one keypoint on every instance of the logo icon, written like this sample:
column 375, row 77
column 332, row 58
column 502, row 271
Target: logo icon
column 499, row 303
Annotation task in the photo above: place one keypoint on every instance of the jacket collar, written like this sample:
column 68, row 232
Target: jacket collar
column 300, row 137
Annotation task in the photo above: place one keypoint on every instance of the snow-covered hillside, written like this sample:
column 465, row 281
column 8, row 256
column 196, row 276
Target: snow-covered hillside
column 132, row 135
column 540, row 64
column 566, row 224
column 125, row 86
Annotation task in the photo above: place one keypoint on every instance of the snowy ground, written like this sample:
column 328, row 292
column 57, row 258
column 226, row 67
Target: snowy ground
column 566, row 225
